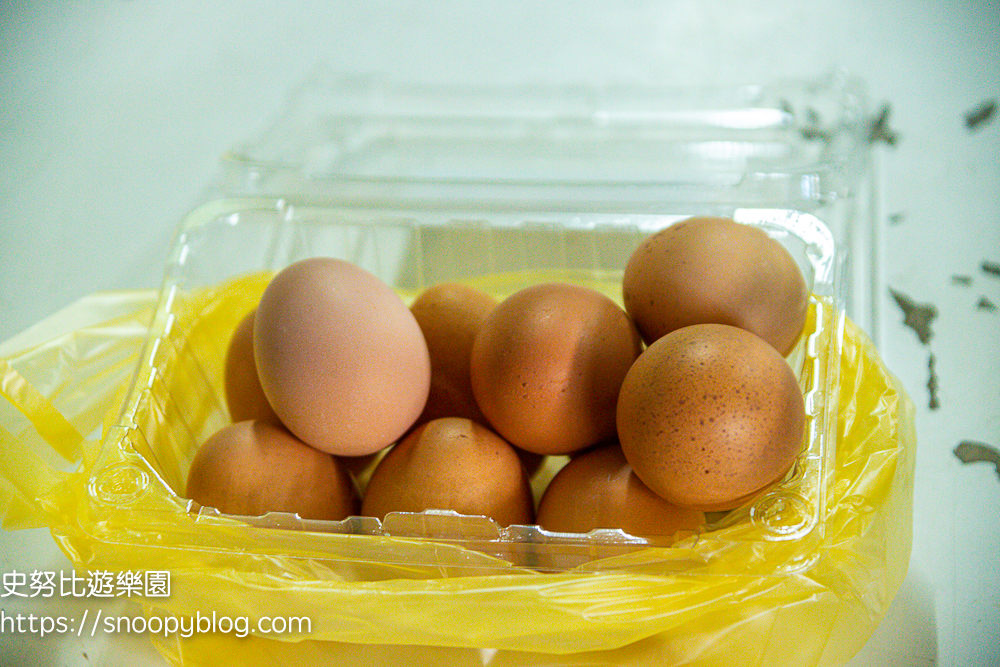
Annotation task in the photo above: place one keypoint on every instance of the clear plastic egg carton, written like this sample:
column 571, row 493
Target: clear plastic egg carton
column 803, row 145
column 420, row 186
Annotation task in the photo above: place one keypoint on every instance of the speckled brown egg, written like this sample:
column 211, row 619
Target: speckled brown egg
column 244, row 396
column 451, row 464
column 598, row 489
column 450, row 315
column 709, row 416
column 340, row 357
column 252, row 467
column 716, row 271
column 547, row 366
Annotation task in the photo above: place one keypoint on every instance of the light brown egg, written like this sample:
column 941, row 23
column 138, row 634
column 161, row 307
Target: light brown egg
column 598, row 489
column 340, row 357
column 451, row 464
column 709, row 416
column 450, row 315
column 547, row 366
column 252, row 467
column 244, row 396
column 716, row 271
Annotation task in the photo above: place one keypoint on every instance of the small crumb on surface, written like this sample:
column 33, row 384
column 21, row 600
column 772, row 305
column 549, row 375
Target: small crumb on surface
column 880, row 130
column 986, row 304
column 964, row 281
column 980, row 115
column 917, row 316
column 970, row 451
column 991, row 268
column 812, row 127
column 815, row 133
column 932, row 384
column 897, row 218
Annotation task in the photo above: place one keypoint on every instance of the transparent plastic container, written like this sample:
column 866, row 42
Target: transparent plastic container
column 176, row 402
column 499, row 189
column 546, row 153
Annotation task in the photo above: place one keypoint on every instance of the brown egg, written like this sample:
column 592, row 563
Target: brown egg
column 709, row 416
column 244, row 396
column 450, row 315
column 340, row 357
column 451, row 464
column 599, row 490
column 547, row 366
column 252, row 467
column 716, row 271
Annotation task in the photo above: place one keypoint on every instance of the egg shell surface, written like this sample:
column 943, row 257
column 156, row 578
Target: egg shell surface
column 547, row 366
column 451, row 464
column 708, row 270
column 245, row 398
column 598, row 489
column 709, row 416
column 450, row 315
column 340, row 357
column 253, row 467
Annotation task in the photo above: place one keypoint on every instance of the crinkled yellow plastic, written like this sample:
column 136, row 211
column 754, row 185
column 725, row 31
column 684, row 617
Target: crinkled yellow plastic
column 63, row 398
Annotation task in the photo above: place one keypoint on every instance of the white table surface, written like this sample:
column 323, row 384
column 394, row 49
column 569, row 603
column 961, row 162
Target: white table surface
column 113, row 116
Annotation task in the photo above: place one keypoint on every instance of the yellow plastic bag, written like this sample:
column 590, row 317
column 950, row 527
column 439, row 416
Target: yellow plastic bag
column 63, row 398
